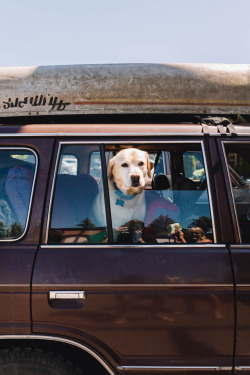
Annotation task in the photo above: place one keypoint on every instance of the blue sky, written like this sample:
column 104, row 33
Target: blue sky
column 49, row 32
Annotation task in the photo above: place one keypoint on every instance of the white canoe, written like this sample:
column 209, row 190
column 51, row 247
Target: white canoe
column 125, row 88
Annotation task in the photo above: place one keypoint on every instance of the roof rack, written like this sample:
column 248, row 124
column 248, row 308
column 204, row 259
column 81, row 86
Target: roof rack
column 224, row 125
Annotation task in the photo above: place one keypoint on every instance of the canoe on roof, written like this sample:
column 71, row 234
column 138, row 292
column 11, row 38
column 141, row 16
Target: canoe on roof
column 125, row 88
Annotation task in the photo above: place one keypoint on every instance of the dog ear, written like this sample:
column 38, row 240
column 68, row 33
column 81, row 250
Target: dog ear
column 148, row 166
column 111, row 164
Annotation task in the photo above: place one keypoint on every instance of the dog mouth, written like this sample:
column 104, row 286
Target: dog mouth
column 132, row 188
column 135, row 190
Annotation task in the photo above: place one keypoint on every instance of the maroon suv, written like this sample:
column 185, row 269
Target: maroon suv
column 93, row 282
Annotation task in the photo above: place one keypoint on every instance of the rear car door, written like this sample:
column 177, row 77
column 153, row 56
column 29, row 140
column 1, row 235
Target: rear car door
column 148, row 296
column 23, row 175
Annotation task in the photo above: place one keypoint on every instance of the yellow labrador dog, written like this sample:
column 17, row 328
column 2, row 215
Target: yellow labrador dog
column 127, row 172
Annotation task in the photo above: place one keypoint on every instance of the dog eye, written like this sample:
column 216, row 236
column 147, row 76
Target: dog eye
column 141, row 163
column 124, row 165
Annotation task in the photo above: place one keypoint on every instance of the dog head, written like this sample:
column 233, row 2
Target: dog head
column 128, row 169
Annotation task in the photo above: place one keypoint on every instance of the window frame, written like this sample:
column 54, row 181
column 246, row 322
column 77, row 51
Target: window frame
column 31, row 193
column 231, row 192
column 101, row 144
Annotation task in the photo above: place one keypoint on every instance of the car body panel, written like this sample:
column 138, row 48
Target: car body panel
column 17, row 256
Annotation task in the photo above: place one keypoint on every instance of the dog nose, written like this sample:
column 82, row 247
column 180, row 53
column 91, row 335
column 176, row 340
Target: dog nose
column 135, row 180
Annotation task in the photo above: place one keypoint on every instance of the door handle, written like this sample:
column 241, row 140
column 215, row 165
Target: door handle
column 69, row 295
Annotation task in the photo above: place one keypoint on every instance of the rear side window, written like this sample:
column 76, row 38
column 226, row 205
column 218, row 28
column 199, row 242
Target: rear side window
column 17, row 174
column 156, row 194
column 238, row 159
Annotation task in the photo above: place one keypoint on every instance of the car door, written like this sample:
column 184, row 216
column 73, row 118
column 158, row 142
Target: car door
column 161, row 303
column 236, row 155
column 23, row 176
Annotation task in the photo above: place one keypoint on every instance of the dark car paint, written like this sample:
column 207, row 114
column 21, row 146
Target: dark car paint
column 140, row 282
column 17, row 257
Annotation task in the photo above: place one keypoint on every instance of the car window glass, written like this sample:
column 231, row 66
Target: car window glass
column 72, row 219
column 159, row 194
column 16, row 184
column 238, row 158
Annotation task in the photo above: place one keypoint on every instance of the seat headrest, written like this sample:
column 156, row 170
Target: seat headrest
column 160, row 182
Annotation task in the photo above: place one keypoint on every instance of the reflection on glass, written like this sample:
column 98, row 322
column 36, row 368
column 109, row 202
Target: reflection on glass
column 68, row 164
column 16, row 180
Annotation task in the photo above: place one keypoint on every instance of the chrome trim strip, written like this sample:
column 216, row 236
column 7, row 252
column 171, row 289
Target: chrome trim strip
column 112, row 286
column 106, row 134
column 217, row 368
column 17, row 148
column 240, row 246
column 243, row 285
column 102, row 246
column 243, row 134
column 118, row 142
column 20, row 135
column 63, row 340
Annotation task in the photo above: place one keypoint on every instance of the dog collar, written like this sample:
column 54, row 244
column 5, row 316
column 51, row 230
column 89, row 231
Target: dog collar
column 122, row 196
